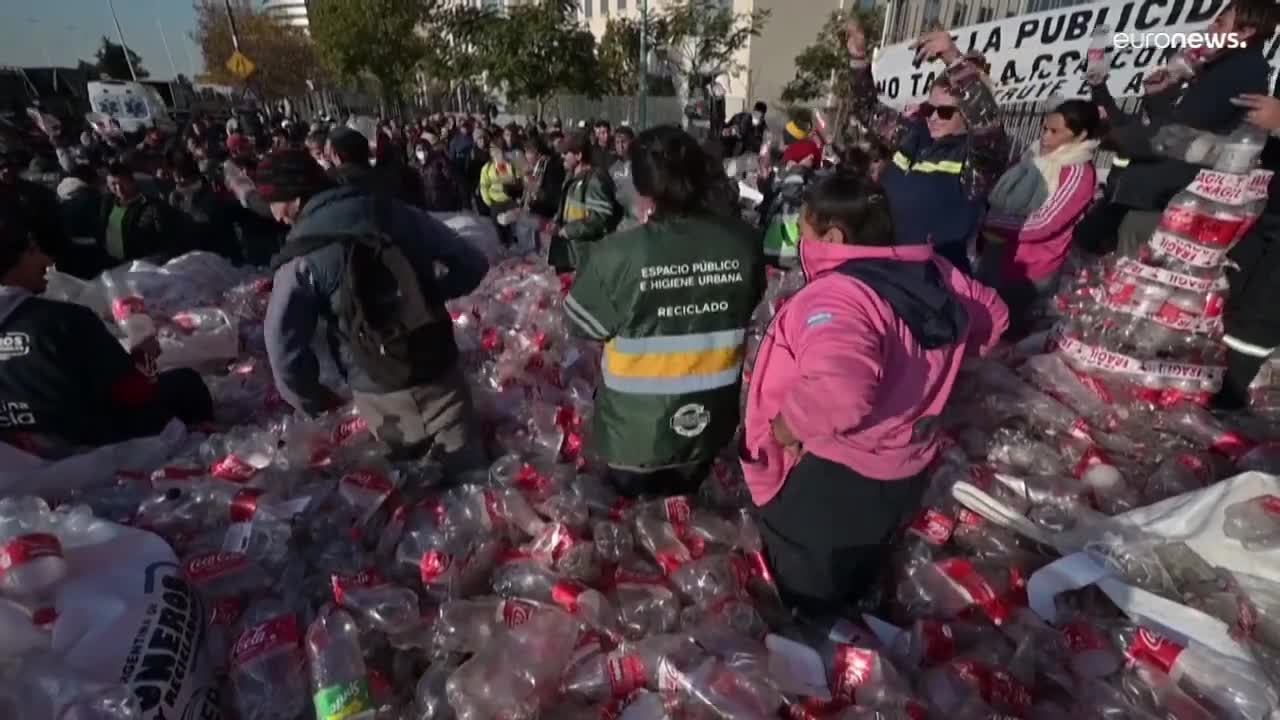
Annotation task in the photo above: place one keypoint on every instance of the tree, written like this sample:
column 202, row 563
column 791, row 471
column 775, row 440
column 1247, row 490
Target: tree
column 284, row 57
column 619, row 55
column 378, row 37
column 462, row 44
column 703, row 38
column 539, row 50
column 827, row 58
column 110, row 61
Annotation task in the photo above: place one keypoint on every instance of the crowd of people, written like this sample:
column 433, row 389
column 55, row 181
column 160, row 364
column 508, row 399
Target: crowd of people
column 920, row 244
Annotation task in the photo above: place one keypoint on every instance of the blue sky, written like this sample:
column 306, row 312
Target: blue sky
column 37, row 32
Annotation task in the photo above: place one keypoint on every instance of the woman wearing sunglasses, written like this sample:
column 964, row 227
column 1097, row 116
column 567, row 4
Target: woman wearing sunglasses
column 943, row 160
column 1034, row 208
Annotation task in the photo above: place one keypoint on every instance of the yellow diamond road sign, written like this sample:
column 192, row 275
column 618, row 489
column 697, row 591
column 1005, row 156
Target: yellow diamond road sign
column 240, row 65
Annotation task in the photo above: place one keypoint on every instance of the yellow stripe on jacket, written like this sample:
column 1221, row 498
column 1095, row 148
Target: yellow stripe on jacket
column 673, row 364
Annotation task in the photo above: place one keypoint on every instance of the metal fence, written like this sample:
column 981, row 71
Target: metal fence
column 1023, row 121
column 623, row 109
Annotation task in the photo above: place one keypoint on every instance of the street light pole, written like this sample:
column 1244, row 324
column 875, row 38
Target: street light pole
column 172, row 65
column 644, row 64
column 123, row 45
column 231, row 20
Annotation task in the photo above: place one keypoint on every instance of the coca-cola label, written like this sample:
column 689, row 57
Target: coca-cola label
column 23, row 549
column 433, row 565
column 348, row 429
column 980, row 592
column 374, row 482
column 695, row 543
column 202, row 568
column 123, row 307
column 851, row 668
column 1081, row 637
column 245, row 504
column 343, row 584
column 968, row 519
column 932, row 526
column 278, row 633
column 981, row 476
column 670, row 559
column 233, row 469
column 492, row 507
column 758, row 566
column 1093, row 455
column 1194, row 463
column 226, row 612
column 619, row 509
column 614, row 709
column 939, row 641
column 528, row 479
column 629, row 575
column 1154, row 648
column 677, row 509
column 513, row 613
column 566, row 594
column 625, row 673
column 1009, row 693
column 1231, row 444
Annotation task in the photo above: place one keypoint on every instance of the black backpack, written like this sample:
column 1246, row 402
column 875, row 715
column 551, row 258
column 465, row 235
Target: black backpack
column 397, row 328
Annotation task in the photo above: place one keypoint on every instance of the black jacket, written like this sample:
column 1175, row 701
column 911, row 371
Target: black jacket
column 392, row 179
column 64, row 377
column 1148, row 182
column 36, row 206
column 208, row 220
column 80, row 205
column 151, row 228
column 543, row 193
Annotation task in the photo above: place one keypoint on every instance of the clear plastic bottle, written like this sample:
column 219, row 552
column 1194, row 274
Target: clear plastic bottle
column 1096, row 57
column 31, row 560
column 341, row 690
column 1230, row 687
column 267, row 663
column 1238, row 153
column 1254, row 522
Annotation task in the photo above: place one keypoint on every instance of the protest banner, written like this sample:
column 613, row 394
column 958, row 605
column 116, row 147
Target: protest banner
column 1042, row 55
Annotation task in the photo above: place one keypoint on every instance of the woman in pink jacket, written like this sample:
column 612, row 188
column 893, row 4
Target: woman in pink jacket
column 841, row 416
column 1034, row 207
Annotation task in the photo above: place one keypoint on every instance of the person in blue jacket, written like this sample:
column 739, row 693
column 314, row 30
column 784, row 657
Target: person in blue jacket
column 436, row 414
column 945, row 158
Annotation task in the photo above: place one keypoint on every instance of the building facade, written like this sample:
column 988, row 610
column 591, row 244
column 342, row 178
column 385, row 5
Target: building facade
column 766, row 64
column 289, row 12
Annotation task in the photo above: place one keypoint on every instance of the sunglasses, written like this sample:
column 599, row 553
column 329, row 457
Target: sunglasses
column 945, row 112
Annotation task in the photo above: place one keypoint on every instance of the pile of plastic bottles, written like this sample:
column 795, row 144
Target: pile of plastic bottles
column 1147, row 328
column 341, row 584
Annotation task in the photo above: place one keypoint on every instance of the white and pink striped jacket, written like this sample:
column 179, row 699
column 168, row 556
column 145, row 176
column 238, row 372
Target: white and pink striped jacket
column 1041, row 240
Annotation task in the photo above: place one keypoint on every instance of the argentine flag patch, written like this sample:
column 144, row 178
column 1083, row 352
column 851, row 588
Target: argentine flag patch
column 818, row 318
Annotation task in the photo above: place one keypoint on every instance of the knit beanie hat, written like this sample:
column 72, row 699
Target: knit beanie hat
column 289, row 174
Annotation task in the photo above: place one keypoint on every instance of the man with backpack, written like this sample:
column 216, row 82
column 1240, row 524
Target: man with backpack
column 589, row 208
column 366, row 264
